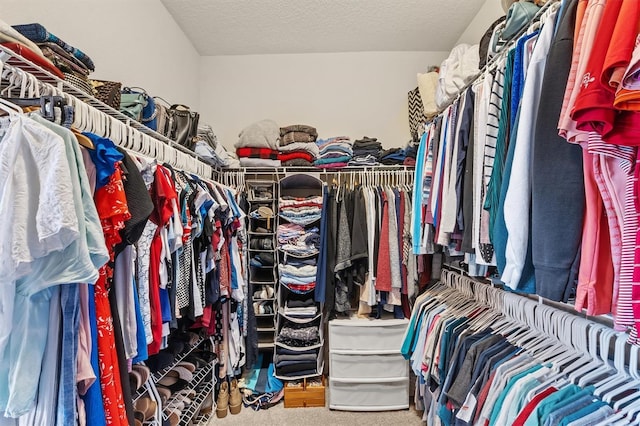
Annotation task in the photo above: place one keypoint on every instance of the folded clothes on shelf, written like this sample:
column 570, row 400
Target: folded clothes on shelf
column 39, row 34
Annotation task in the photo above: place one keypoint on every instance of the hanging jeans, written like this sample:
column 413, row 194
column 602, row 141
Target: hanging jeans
column 67, row 390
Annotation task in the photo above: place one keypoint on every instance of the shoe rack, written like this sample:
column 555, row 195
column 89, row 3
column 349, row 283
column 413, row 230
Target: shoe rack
column 187, row 403
column 262, row 197
column 298, row 187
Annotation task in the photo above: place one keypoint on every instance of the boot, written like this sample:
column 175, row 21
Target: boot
column 235, row 398
column 223, row 400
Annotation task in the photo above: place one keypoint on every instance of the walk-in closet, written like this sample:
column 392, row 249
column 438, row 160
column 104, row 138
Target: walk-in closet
column 419, row 212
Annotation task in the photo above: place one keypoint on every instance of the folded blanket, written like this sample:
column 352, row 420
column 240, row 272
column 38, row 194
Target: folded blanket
column 293, row 137
column 262, row 134
column 39, row 34
column 340, row 159
column 301, row 155
column 311, row 148
column 31, row 55
column 259, row 162
column 265, row 153
column 299, row 128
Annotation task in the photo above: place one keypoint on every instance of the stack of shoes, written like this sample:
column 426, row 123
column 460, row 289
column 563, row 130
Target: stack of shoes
column 262, row 260
column 205, row 409
column 138, row 376
column 298, row 145
column 144, row 410
column 334, row 152
column 257, row 145
column 262, row 300
column 366, row 152
column 74, row 64
column 178, row 404
column 229, row 399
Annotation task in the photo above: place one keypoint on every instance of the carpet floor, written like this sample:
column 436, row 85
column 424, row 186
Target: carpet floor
column 280, row 416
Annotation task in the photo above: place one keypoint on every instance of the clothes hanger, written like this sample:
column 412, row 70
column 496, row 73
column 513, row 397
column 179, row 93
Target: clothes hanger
column 606, row 367
column 634, row 383
column 12, row 109
column 592, row 355
column 620, row 377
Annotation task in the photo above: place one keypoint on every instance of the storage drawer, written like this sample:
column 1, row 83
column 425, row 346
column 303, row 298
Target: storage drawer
column 370, row 396
column 346, row 366
column 304, row 395
column 366, row 334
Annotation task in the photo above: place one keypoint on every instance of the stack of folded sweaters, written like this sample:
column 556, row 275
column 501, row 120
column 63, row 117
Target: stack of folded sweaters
column 300, row 306
column 295, row 363
column 366, row 152
column 257, row 145
column 74, row 64
column 392, row 157
column 334, row 152
column 301, row 211
column 298, row 241
column 298, row 145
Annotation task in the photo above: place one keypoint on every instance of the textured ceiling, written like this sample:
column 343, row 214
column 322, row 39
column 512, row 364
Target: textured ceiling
column 243, row 27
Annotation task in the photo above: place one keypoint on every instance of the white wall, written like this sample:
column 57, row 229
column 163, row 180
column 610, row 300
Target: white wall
column 352, row 94
column 490, row 11
column 135, row 42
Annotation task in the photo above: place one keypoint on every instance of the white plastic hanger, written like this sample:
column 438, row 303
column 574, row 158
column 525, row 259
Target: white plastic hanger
column 606, row 367
column 633, row 384
column 621, row 376
column 12, row 109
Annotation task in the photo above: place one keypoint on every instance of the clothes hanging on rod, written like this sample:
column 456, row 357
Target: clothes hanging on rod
column 546, row 162
column 111, row 253
column 483, row 356
column 367, row 240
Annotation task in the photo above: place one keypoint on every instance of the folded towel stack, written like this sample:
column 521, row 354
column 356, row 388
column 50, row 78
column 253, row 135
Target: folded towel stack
column 366, row 152
column 298, row 145
column 257, row 145
column 334, row 152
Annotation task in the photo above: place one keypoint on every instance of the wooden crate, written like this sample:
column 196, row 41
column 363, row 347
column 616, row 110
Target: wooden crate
column 304, row 395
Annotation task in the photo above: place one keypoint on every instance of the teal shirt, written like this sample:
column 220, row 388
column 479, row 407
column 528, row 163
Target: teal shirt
column 562, row 403
column 544, row 407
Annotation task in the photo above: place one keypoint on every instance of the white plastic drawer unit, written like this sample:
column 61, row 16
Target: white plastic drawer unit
column 366, row 335
column 367, row 372
column 378, row 396
column 349, row 365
